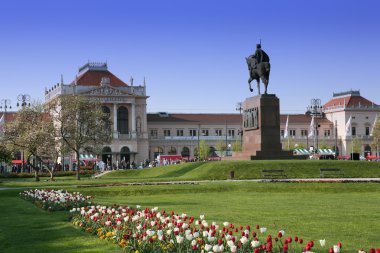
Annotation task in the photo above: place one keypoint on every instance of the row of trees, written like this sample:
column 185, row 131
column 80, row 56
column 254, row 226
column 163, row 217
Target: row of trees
column 66, row 125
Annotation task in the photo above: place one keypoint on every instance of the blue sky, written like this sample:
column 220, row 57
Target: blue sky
column 191, row 52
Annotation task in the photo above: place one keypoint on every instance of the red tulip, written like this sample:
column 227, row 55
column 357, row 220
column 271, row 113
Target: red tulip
column 372, row 250
column 339, row 244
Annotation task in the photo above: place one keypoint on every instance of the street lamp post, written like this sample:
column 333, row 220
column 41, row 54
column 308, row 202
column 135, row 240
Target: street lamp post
column 239, row 108
column 315, row 110
column 336, row 139
column 24, row 99
column 5, row 104
column 199, row 129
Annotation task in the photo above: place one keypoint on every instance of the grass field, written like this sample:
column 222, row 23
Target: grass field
column 346, row 212
column 215, row 171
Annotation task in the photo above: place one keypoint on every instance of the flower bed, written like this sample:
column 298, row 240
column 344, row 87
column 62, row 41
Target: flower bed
column 56, row 200
column 149, row 230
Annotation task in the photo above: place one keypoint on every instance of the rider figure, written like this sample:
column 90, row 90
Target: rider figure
column 259, row 56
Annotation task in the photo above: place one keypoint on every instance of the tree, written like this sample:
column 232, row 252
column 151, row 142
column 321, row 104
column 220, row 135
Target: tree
column 300, row 145
column 80, row 122
column 236, row 146
column 32, row 131
column 376, row 136
column 324, row 145
column 221, row 146
column 356, row 145
column 204, row 150
column 5, row 154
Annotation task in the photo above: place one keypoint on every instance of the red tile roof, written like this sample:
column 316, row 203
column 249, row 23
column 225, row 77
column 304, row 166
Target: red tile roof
column 221, row 118
column 349, row 101
column 301, row 119
column 10, row 116
column 194, row 118
column 94, row 77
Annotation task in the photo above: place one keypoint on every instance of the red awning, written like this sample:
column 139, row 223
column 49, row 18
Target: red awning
column 18, row 161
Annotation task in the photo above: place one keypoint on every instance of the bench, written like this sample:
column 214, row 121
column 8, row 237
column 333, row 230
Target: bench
column 273, row 173
column 330, row 172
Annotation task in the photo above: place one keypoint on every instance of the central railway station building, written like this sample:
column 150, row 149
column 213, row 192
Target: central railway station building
column 139, row 136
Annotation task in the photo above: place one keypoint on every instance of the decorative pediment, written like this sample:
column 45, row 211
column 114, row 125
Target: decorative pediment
column 106, row 91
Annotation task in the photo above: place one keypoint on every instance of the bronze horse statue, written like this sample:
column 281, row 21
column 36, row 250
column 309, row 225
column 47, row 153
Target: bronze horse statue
column 258, row 71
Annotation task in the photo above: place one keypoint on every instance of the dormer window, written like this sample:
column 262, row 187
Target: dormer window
column 105, row 81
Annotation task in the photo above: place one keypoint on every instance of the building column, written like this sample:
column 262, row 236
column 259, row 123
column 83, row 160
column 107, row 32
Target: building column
column 115, row 132
column 133, row 121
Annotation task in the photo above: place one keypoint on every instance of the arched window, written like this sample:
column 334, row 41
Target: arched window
column 211, row 152
column 17, row 155
column 185, row 152
column 172, row 151
column 125, row 154
column 122, row 120
column 158, row 151
column 107, row 155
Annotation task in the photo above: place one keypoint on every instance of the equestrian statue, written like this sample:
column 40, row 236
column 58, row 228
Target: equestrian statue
column 259, row 68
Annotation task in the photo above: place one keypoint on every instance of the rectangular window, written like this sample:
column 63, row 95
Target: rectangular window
column 367, row 131
column 205, row 132
column 179, row 132
column 218, row 132
column 153, row 132
column 304, row 132
column 292, row 132
column 327, row 133
column 166, row 132
column 193, row 132
column 282, row 132
column 353, row 129
column 231, row 132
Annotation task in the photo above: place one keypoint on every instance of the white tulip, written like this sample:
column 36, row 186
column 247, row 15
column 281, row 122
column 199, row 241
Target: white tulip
column 179, row 239
column 322, row 242
column 208, row 247
column 255, row 244
column 243, row 240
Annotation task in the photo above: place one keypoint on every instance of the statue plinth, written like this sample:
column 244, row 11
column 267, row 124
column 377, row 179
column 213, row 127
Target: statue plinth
column 261, row 129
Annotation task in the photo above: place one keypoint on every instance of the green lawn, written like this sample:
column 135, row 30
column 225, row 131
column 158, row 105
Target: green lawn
column 346, row 212
column 215, row 171
column 26, row 228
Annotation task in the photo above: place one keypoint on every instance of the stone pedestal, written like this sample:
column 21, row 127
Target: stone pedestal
column 261, row 129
